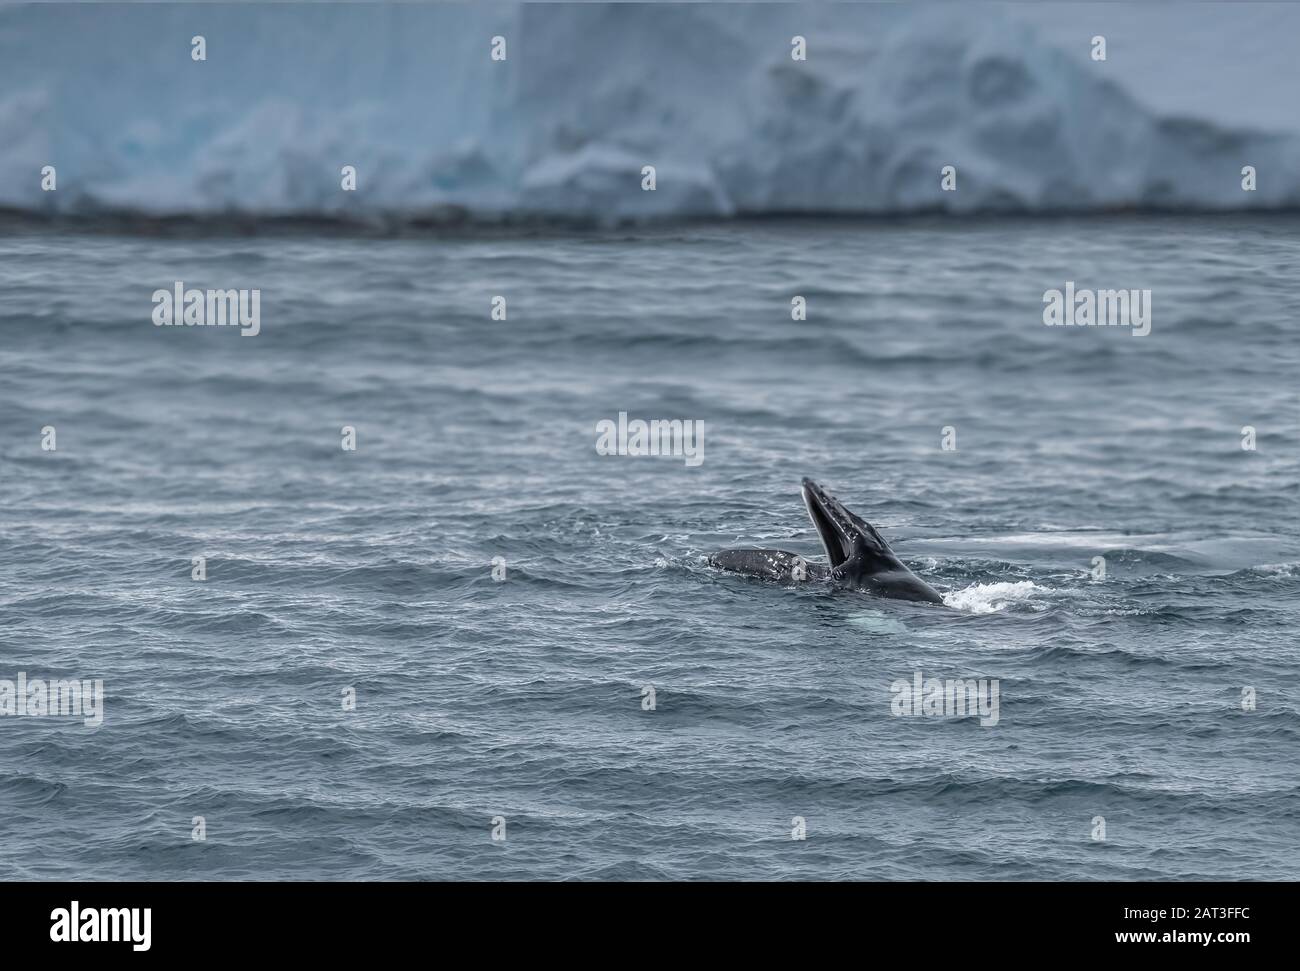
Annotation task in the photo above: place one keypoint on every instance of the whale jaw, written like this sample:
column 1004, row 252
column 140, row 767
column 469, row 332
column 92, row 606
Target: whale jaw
column 835, row 538
column 859, row 555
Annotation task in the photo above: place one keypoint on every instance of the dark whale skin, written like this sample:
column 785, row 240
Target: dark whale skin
column 860, row 558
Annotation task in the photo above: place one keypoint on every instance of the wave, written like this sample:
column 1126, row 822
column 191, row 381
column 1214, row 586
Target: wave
column 440, row 133
column 27, row 791
column 1147, row 558
column 1289, row 569
column 1125, row 658
column 952, row 788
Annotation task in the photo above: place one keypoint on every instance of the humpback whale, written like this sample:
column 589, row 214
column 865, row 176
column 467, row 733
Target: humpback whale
column 859, row 556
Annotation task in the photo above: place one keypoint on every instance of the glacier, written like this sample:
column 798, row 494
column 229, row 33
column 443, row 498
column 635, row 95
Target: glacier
column 587, row 96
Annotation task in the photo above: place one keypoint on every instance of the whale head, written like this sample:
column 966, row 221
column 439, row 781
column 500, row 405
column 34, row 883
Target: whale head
column 844, row 535
column 858, row 554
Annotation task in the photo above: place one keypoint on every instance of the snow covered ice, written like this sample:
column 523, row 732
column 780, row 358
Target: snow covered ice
column 587, row 96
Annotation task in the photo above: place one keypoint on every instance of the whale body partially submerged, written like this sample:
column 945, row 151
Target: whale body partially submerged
column 858, row 555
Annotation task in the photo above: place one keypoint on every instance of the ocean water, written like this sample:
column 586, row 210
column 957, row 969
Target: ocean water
column 371, row 569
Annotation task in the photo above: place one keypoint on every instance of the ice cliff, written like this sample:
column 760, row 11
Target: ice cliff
column 587, row 95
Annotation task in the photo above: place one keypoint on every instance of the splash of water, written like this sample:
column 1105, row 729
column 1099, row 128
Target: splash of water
column 989, row 598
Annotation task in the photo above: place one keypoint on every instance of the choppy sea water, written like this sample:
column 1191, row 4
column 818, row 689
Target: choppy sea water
column 522, row 699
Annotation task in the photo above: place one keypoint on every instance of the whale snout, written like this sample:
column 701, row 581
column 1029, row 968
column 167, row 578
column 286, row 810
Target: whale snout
column 811, row 489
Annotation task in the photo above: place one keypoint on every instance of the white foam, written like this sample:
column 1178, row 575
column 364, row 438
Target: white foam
column 988, row 598
column 1276, row 569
